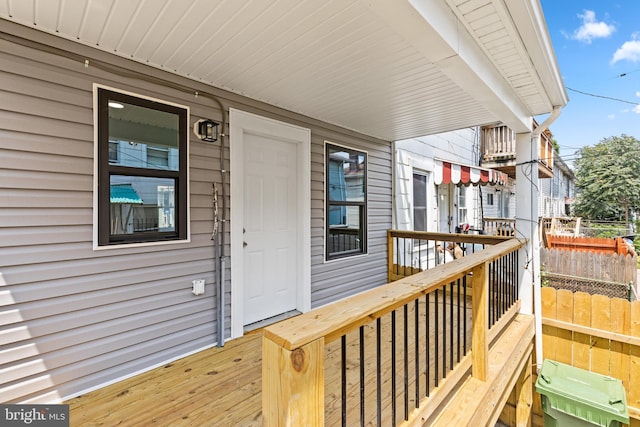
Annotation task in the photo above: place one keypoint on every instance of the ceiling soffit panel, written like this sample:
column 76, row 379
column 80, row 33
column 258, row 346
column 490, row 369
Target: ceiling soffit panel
column 377, row 67
column 514, row 49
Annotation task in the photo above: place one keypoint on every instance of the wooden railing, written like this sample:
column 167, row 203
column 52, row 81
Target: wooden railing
column 410, row 252
column 499, row 144
column 499, row 226
column 393, row 354
column 596, row 333
column 546, row 153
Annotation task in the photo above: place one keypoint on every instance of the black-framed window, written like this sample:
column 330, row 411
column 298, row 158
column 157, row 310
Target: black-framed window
column 346, row 201
column 142, row 169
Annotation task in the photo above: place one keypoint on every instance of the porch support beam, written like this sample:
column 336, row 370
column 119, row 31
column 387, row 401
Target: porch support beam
column 527, row 208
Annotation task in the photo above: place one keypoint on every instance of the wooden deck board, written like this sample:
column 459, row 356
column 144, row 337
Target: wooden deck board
column 480, row 403
column 223, row 386
column 216, row 387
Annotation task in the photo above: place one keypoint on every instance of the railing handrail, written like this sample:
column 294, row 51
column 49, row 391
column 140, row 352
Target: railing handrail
column 332, row 321
column 497, row 218
column 449, row 237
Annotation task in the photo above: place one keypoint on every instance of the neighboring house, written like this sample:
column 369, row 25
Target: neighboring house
column 558, row 193
column 498, row 150
column 499, row 201
column 439, row 187
column 112, row 217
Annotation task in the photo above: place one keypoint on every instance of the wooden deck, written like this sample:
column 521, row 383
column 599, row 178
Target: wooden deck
column 215, row 387
column 223, row 386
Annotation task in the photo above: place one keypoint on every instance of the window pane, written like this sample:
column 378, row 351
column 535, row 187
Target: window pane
column 113, row 152
column 145, row 137
column 419, row 202
column 505, row 205
column 141, row 204
column 345, row 234
column 462, row 197
column 346, row 175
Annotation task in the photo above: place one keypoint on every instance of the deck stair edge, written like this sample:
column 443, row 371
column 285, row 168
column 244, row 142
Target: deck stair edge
column 478, row 403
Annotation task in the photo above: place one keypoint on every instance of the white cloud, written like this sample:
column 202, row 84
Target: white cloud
column 629, row 51
column 611, row 116
column 636, row 109
column 592, row 29
column 638, row 94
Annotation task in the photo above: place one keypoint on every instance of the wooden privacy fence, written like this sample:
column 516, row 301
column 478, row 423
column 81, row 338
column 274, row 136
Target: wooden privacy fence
column 595, row 333
column 595, row 265
column 591, row 244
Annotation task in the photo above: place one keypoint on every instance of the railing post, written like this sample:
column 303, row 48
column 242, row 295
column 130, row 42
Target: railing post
column 524, row 396
column 480, row 324
column 389, row 257
column 292, row 384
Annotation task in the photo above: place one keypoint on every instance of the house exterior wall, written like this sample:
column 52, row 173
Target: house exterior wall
column 73, row 318
column 499, row 201
column 556, row 192
column 417, row 156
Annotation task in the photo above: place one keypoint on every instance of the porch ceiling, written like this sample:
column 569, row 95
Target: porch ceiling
column 393, row 69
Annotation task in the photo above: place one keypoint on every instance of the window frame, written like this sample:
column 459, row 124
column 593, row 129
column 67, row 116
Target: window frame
column 104, row 169
column 363, row 206
column 461, row 203
column 424, row 181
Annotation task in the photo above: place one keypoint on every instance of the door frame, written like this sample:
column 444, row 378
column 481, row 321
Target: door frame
column 241, row 123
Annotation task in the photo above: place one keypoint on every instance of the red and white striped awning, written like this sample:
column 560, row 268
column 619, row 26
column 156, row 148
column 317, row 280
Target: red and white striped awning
column 455, row 173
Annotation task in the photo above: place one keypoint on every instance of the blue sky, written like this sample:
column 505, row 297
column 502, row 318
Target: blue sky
column 597, row 45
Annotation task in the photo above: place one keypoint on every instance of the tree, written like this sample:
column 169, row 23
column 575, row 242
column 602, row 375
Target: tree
column 608, row 179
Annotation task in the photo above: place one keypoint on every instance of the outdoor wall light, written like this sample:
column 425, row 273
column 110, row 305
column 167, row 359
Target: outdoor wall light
column 206, row 130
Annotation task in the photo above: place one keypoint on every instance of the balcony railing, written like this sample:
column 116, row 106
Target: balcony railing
column 411, row 252
column 499, row 226
column 392, row 355
column 498, row 149
column 498, row 142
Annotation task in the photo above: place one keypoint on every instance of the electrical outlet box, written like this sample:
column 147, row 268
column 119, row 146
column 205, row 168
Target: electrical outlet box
column 198, row 286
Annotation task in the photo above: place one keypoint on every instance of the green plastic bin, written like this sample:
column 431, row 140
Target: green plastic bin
column 575, row 397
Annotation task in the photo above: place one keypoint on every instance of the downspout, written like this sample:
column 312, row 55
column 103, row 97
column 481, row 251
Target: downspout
column 537, row 294
column 223, row 219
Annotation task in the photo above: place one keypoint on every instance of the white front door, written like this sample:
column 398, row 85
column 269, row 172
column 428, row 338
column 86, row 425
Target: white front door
column 270, row 216
column 444, row 208
column 270, row 231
